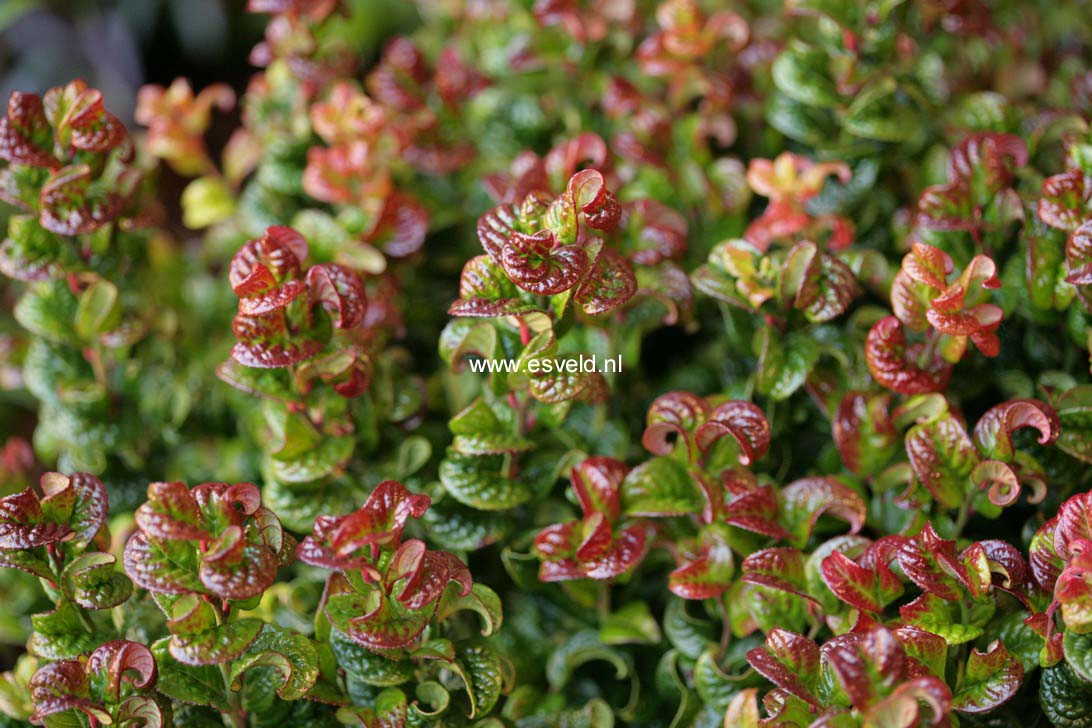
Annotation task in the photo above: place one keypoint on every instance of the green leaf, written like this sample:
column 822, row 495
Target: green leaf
column 463, row 337
column 328, row 457
column 884, row 112
column 482, row 670
column 806, row 124
column 1078, row 653
column 26, row 560
column 92, row 581
column 193, row 684
column 413, row 454
column 30, row 252
column 1065, row 699
column 289, row 653
column 715, row 687
column 161, row 565
column 61, row 635
column 97, row 311
column 198, row 640
column 478, row 431
column 943, row 618
column 477, row 482
column 672, row 685
column 48, row 310
column 367, row 666
column 386, row 709
column 206, row 201
column 784, row 363
column 1074, row 408
column 689, row 635
column 580, row 649
column 271, row 383
column 456, row 527
column 481, row 599
column 661, row 486
column 432, row 700
column 631, row 624
column 800, row 71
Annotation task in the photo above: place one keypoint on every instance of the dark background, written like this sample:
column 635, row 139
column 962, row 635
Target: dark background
column 119, row 45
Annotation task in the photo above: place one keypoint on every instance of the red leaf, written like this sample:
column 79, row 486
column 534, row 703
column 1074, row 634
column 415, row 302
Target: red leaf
column 379, row 522
column 863, row 431
column 820, row 285
column 626, row 551
column 263, row 272
column 744, row 422
column 706, row 573
column 590, row 195
column 236, row 568
column 57, row 687
column 1065, row 200
column 890, row 361
column 263, row 343
column 661, row 231
column 496, row 226
column 25, row 135
column 805, row 500
column 171, row 513
column 22, row 525
column 752, row 507
column 943, row 458
column 68, row 206
column 989, row 155
column 993, row 432
column 79, row 118
column 597, row 482
column 780, row 568
column 866, row 664
column 1078, row 261
column 428, row 580
column 86, row 498
column 1074, row 523
column 582, row 151
column 676, row 414
column 340, row 291
column 482, row 308
column 857, row 586
column 536, row 265
column 397, row 81
column 402, row 226
column 122, row 660
column 1046, row 565
column 610, row 283
column 991, row 678
column 790, row 661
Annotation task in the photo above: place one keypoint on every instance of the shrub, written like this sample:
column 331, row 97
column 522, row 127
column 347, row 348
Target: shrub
column 842, row 251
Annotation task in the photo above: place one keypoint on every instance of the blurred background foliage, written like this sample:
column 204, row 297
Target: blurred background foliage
column 119, row 45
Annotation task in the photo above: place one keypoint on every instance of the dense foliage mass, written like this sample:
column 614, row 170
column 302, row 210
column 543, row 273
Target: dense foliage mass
column 842, row 250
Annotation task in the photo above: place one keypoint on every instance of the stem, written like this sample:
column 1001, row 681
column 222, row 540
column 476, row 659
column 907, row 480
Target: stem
column 929, row 351
column 964, row 515
column 602, row 604
column 725, row 629
column 237, row 716
column 235, row 709
column 93, row 355
column 56, row 563
column 85, row 619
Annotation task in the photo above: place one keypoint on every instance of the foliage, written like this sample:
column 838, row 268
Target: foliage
column 831, row 267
